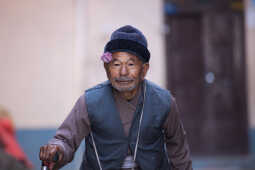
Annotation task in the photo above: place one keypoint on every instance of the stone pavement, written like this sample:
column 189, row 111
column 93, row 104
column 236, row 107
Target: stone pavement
column 224, row 163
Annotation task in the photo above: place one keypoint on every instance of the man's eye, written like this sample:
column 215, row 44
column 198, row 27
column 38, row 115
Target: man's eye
column 116, row 64
column 130, row 64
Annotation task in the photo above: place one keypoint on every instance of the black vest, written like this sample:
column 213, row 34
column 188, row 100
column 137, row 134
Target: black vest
column 111, row 142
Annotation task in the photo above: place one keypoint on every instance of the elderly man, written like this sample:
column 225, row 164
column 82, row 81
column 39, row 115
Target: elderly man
column 128, row 122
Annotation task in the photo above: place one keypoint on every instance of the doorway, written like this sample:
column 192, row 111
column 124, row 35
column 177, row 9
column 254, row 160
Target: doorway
column 206, row 74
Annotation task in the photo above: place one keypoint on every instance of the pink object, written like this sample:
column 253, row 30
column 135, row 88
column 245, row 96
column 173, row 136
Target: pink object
column 11, row 146
column 106, row 57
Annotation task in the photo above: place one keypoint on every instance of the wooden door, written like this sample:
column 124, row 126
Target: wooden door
column 205, row 71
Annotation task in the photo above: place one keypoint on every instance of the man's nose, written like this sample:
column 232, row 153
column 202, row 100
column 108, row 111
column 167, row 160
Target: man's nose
column 124, row 71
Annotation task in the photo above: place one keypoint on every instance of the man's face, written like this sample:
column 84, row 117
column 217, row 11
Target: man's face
column 125, row 71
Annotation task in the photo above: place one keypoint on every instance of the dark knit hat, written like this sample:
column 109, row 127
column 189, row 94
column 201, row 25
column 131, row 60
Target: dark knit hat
column 131, row 40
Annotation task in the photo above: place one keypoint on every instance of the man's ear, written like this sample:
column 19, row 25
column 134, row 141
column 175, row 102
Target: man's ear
column 145, row 68
column 106, row 67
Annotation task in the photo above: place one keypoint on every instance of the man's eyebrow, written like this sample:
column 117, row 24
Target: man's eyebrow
column 132, row 59
column 114, row 60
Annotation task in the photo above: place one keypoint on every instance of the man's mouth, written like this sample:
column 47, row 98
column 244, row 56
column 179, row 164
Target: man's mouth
column 124, row 82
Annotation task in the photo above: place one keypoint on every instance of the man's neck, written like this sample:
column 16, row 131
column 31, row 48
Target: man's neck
column 128, row 95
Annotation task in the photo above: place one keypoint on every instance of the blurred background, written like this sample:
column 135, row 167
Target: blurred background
column 202, row 50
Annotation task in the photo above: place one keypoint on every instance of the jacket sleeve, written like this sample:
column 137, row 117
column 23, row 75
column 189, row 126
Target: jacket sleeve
column 72, row 131
column 176, row 140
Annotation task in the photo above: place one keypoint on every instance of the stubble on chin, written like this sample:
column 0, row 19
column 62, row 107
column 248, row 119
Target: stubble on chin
column 124, row 89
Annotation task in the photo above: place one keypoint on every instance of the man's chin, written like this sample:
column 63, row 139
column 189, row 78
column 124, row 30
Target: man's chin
column 123, row 89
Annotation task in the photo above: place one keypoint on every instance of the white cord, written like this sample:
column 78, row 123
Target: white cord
column 140, row 122
column 94, row 145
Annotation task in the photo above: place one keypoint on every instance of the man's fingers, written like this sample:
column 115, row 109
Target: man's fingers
column 52, row 153
column 48, row 152
column 60, row 153
column 51, row 166
column 60, row 156
column 42, row 153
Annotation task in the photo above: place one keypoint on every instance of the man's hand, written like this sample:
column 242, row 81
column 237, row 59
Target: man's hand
column 47, row 153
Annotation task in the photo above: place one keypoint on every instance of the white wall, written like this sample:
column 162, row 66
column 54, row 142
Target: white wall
column 36, row 60
column 250, row 53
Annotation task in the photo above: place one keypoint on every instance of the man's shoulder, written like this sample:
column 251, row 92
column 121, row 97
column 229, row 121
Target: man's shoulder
column 156, row 87
column 160, row 93
column 161, row 96
column 98, row 86
column 97, row 93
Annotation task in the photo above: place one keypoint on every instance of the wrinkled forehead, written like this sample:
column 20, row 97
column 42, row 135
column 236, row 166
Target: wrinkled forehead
column 124, row 57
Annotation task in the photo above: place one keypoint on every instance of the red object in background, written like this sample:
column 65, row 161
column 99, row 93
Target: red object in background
column 11, row 146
